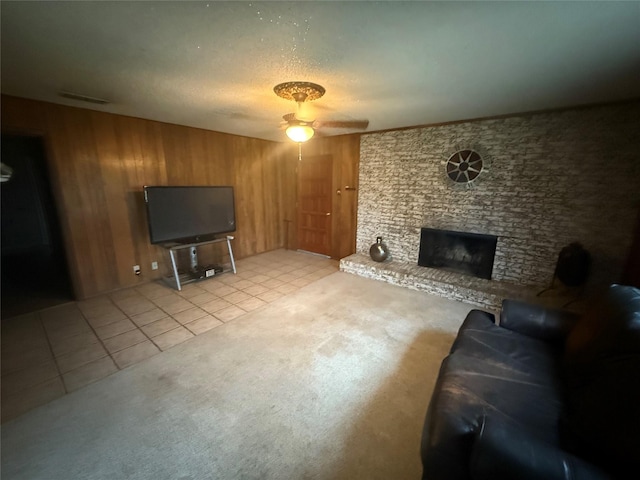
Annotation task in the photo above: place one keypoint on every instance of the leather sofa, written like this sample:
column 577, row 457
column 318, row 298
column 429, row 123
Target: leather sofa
column 546, row 394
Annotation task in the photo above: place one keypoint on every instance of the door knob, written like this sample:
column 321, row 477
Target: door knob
column 328, row 213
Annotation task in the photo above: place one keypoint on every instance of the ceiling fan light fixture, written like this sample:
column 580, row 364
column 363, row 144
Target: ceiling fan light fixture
column 299, row 91
column 300, row 133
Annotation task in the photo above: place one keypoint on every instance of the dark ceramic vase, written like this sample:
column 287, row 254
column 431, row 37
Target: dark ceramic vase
column 379, row 251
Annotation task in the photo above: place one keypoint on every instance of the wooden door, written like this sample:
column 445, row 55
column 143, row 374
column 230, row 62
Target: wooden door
column 315, row 182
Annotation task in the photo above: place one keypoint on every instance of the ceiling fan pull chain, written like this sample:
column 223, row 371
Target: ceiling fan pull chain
column 299, row 151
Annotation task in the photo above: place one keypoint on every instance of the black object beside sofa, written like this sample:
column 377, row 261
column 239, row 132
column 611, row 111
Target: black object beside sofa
column 547, row 394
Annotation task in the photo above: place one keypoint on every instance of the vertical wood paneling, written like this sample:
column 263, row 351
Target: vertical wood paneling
column 221, row 168
column 289, row 192
column 285, row 158
column 272, row 181
column 85, row 205
column 249, row 211
column 99, row 163
column 115, row 161
column 141, row 162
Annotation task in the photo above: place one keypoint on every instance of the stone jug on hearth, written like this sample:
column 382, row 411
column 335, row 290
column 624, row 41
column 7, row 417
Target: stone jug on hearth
column 379, row 251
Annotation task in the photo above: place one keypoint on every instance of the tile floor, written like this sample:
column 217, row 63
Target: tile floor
column 52, row 352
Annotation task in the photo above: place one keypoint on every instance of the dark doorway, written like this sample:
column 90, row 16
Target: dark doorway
column 34, row 266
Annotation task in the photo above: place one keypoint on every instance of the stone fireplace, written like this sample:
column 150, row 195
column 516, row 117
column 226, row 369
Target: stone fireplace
column 549, row 184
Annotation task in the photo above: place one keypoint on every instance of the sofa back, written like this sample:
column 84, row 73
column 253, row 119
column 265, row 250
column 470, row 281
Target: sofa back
column 610, row 327
column 602, row 374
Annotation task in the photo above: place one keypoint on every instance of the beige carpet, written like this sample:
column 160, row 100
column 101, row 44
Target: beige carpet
column 331, row 382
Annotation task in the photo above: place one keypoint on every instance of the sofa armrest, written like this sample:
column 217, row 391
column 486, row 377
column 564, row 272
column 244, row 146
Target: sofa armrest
column 503, row 451
column 537, row 321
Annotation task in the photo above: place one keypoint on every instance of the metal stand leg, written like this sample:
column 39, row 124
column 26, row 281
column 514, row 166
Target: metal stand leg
column 175, row 270
column 233, row 262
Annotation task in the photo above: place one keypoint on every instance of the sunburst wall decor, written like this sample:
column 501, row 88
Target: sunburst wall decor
column 464, row 165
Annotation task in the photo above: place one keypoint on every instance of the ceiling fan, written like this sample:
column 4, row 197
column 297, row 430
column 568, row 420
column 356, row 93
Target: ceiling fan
column 300, row 129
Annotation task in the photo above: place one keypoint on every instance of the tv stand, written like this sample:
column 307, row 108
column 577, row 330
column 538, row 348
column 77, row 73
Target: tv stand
column 196, row 272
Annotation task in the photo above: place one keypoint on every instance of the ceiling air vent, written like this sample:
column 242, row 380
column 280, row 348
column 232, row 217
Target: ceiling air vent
column 84, row 98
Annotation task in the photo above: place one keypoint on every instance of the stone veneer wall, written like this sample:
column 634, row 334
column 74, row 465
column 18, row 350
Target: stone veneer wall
column 554, row 178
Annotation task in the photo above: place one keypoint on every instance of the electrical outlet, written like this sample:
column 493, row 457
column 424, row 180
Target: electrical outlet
column 136, row 269
column 154, row 265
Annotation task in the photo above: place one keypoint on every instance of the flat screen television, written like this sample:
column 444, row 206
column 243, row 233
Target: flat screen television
column 189, row 214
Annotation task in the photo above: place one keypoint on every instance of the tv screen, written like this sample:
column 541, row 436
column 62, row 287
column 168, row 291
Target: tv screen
column 189, row 214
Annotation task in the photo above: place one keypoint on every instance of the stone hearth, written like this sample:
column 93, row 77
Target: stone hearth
column 487, row 294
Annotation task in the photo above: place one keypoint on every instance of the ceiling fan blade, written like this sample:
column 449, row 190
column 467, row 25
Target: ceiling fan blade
column 289, row 116
column 294, row 119
column 356, row 124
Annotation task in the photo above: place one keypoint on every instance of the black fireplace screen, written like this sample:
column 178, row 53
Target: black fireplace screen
column 469, row 253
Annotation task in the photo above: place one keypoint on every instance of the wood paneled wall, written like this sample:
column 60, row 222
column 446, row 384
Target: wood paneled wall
column 99, row 163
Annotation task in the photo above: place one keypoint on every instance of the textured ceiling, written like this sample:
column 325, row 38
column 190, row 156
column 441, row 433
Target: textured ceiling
column 214, row 64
